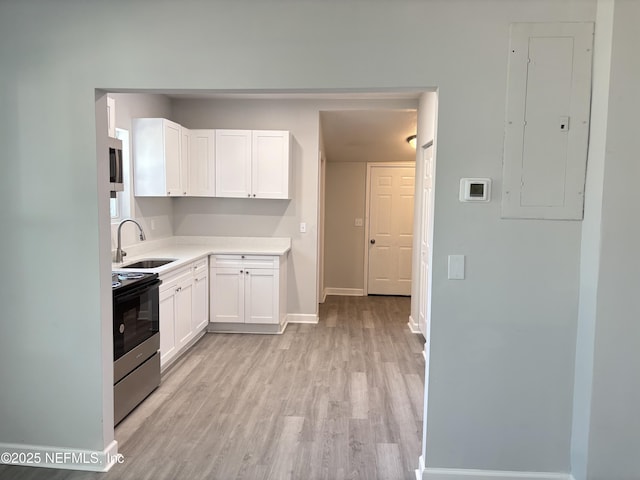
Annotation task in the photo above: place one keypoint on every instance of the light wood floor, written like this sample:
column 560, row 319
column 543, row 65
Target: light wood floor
column 339, row 400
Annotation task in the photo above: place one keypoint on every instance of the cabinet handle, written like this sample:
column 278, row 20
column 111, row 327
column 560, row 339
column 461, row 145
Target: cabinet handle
column 241, row 256
column 254, row 194
column 184, row 193
column 247, row 272
column 168, row 193
column 241, row 271
column 248, row 194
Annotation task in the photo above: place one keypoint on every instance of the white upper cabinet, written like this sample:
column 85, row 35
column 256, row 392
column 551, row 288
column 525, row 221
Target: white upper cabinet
column 270, row 173
column 111, row 117
column 253, row 163
column 185, row 159
column 174, row 161
column 202, row 171
column 233, row 163
column 157, row 158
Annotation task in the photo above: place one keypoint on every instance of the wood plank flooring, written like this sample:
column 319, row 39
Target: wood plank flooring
column 339, row 400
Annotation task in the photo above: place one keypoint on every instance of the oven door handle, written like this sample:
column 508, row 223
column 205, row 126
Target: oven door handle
column 137, row 291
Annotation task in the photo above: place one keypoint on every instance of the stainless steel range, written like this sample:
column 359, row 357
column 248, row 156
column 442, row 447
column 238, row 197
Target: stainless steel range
column 136, row 339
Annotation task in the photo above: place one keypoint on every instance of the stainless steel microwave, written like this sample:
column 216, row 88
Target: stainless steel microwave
column 115, row 165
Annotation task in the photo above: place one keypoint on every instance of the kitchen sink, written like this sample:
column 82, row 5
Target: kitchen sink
column 150, row 263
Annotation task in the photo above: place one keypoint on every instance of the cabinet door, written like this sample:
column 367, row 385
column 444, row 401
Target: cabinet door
column 184, row 305
column 270, row 164
column 185, row 159
column 233, row 163
column 172, row 151
column 261, row 296
column 227, row 295
column 167, row 324
column 200, row 312
column 202, row 180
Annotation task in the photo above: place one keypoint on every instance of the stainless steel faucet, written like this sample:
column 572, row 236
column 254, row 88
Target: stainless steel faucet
column 119, row 252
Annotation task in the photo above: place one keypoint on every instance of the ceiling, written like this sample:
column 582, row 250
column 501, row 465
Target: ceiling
column 368, row 135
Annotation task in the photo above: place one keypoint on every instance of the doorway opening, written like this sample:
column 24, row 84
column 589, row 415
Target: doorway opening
column 353, row 142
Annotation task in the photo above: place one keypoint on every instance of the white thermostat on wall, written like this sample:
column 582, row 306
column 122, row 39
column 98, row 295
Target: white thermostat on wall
column 475, row 189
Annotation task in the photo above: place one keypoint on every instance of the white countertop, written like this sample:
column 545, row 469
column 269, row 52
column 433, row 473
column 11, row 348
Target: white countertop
column 186, row 250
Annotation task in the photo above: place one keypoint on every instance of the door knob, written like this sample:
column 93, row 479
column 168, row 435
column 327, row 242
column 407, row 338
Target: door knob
column 372, row 241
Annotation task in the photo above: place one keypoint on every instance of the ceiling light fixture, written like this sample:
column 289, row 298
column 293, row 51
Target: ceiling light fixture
column 411, row 140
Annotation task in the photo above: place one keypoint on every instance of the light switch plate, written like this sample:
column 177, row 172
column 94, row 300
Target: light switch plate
column 358, row 222
column 456, row 267
column 303, row 227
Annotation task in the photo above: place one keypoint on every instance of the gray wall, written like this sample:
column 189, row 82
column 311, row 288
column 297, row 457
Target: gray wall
column 345, row 197
column 247, row 217
column 503, row 339
column 244, row 217
column 590, row 248
column 614, row 429
column 145, row 209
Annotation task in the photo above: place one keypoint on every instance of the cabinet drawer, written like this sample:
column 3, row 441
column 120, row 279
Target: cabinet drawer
column 230, row 261
column 245, row 261
column 260, row 261
column 200, row 265
column 172, row 279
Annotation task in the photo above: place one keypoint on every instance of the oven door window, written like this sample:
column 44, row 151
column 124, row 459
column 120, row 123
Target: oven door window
column 135, row 319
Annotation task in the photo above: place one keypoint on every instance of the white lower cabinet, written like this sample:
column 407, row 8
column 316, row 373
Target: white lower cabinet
column 167, row 323
column 248, row 289
column 261, row 296
column 183, row 309
column 227, row 294
column 200, row 313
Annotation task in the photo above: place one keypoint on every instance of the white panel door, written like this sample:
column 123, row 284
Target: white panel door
column 261, row 296
column 270, row 164
column 233, row 163
column 227, row 295
column 425, row 240
column 172, row 158
column 167, row 314
column 202, row 180
column 391, row 193
column 184, row 304
column 200, row 312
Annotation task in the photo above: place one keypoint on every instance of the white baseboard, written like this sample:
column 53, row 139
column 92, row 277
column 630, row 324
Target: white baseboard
column 413, row 325
column 302, row 318
column 468, row 474
column 59, row 457
column 420, row 469
column 345, row 292
column 324, row 295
